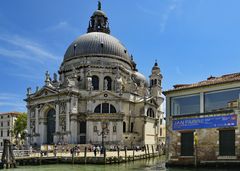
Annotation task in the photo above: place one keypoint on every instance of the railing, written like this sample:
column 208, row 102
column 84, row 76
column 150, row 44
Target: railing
column 19, row 153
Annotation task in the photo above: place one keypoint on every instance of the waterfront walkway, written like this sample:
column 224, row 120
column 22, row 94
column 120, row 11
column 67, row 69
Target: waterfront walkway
column 86, row 157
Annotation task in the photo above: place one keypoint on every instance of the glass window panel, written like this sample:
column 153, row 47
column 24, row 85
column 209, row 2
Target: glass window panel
column 95, row 82
column 105, row 108
column 98, row 109
column 124, row 126
column 185, row 105
column 112, row 109
column 216, row 101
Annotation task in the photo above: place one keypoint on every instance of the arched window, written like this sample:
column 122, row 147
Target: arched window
column 155, row 82
column 112, row 109
column 150, row 113
column 131, row 126
column 108, row 81
column 114, row 128
column 105, row 108
column 124, row 126
column 51, row 121
column 95, row 82
column 97, row 109
column 151, row 82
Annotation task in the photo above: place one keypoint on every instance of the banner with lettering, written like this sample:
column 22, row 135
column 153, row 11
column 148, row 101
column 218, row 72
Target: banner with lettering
column 205, row 122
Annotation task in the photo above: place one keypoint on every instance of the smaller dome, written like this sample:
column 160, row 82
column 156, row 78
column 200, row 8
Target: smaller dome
column 138, row 78
column 155, row 67
column 99, row 13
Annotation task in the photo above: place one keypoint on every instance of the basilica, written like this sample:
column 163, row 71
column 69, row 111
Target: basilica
column 97, row 95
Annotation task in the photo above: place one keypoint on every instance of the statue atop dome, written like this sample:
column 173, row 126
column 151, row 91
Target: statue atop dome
column 99, row 5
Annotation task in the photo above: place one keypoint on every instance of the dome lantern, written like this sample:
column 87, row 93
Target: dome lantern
column 99, row 21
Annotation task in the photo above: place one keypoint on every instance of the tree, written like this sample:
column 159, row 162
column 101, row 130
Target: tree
column 19, row 128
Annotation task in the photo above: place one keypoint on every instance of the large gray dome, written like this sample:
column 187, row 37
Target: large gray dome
column 97, row 43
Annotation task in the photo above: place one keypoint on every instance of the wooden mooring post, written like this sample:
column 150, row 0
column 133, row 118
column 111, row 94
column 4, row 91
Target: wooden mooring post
column 148, row 151
column 145, row 149
column 85, row 155
column 133, row 154
column 8, row 160
column 152, row 151
column 125, row 154
column 118, row 154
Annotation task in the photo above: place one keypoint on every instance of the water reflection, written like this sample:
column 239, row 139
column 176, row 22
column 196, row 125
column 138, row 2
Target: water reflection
column 157, row 164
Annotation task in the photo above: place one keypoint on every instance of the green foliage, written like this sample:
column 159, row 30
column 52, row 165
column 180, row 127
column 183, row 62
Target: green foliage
column 19, row 127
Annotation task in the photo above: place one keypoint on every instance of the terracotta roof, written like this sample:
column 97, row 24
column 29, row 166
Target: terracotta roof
column 11, row 113
column 210, row 81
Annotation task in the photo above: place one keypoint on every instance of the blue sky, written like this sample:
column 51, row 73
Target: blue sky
column 191, row 39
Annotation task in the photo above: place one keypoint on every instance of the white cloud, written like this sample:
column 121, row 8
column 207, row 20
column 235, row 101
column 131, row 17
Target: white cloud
column 178, row 71
column 24, row 48
column 147, row 11
column 7, row 96
column 30, row 77
column 13, row 101
column 164, row 13
column 63, row 25
column 172, row 6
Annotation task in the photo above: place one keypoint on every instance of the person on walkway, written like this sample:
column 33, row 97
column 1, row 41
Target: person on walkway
column 98, row 149
column 55, row 150
column 78, row 150
column 95, row 151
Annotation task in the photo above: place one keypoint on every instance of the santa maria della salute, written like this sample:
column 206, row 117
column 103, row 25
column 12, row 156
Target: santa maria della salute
column 98, row 95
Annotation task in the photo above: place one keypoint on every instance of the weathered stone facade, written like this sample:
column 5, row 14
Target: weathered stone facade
column 98, row 83
column 216, row 142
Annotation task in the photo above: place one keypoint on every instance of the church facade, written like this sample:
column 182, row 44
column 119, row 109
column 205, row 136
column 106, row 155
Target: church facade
column 98, row 95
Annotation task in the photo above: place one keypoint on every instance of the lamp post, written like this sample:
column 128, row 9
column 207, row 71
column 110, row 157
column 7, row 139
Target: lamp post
column 104, row 132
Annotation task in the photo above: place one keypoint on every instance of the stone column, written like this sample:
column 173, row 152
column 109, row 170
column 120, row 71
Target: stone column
column 28, row 119
column 74, row 128
column 101, row 81
column 28, row 124
column 36, row 120
column 67, row 116
column 110, row 128
column 74, row 105
column 120, row 106
column 57, row 118
column 89, row 106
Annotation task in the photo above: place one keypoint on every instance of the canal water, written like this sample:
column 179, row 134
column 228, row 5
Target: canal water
column 156, row 164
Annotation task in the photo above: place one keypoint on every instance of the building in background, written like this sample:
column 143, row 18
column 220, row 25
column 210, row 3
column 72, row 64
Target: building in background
column 6, row 126
column 99, row 89
column 202, row 121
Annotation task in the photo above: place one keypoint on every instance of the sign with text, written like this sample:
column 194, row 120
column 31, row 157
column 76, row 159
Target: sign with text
column 206, row 122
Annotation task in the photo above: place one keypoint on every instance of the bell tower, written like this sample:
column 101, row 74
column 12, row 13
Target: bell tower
column 99, row 21
column 156, row 81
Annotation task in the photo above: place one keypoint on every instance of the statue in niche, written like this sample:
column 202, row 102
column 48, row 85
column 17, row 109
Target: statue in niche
column 62, row 124
column 62, row 107
column 74, row 72
column 89, row 84
column 74, row 102
column 32, row 114
column 32, row 126
column 105, row 84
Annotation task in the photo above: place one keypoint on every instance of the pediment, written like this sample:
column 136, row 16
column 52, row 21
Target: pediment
column 152, row 101
column 106, row 95
column 45, row 91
